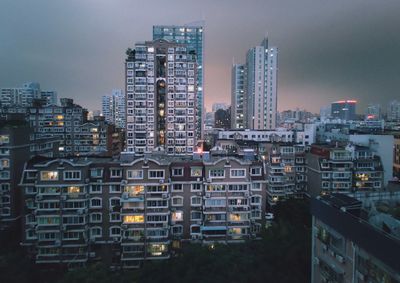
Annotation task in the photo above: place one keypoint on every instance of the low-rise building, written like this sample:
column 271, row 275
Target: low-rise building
column 334, row 168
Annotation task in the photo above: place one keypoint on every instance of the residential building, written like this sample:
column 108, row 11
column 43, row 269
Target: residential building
column 286, row 174
column 393, row 111
column 192, row 37
column 17, row 145
column 113, row 108
column 238, row 97
column 373, row 112
column 344, row 109
column 69, row 124
column 25, row 95
column 278, row 135
column 261, row 86
column 355, row 240
column 334, row 168
column 161, row 98
column 124, row 212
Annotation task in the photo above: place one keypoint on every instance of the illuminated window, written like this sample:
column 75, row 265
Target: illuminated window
column 196, row 172
column 4, row 139
column 134, row 190
column 59, row 117
column 134, row 218
column 5, row 163
column 74, row 190
column 157, row 249
column 177, row 216
column 48, row 175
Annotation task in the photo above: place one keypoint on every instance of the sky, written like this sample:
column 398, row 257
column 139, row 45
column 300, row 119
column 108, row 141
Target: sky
column 328, row 49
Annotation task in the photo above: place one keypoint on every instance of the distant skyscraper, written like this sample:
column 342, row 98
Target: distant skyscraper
column 23, row 96
column 344, row 109
column 161, row 98
column 192, row 35
column 261, row 86
column 325, row 112
column 393, row 112
column 373, row 112
column 219, row 105
column 238, row 96
column 113, row 108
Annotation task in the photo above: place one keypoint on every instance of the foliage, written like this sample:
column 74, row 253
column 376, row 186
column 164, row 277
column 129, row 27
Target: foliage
column 282, row 255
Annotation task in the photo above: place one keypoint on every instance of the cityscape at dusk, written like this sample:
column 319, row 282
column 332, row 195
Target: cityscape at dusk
column 199, row 141
column 329, row 50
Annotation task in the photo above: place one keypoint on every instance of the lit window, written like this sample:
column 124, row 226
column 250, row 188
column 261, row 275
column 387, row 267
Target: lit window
column 196, row 172
column 177, row 216
column 134, row 218
column 74, row 190
column 48, row 175
column 134, row 190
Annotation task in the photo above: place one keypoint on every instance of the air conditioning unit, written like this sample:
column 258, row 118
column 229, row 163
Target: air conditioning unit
column 208, row 195
column 87, row 180
column 164, row 196
column 92, row 254
column 161, row 181
column 199, row 194
column 316, row 260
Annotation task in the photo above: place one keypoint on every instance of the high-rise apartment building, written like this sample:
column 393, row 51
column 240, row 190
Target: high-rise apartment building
column 373, row 112
column 344, row 109
column 238, row 97
column 25, row 95
column 191, row 35
column 114, row 109
column 261, row 86
column 393, row 112
column 161, row 103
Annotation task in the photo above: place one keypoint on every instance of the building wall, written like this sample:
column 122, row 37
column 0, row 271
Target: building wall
column 191, row 35
column 153, row 212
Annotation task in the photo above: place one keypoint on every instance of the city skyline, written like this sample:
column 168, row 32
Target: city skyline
column 350, row 63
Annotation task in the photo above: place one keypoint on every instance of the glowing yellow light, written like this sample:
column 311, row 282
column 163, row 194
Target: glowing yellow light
column 134, row 218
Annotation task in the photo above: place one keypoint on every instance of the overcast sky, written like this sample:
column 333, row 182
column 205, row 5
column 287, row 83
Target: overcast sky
column 328, row 49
